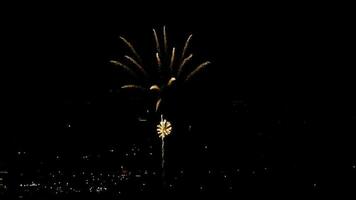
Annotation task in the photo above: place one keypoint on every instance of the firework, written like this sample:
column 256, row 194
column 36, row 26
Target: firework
column 164, row 128
column 165, row 62
column 169, row 61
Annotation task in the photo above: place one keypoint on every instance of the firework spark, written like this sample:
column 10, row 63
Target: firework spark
column 142, row 70
column 198, row 69
column 186, row 45
column 125, row 67
column 172, row 59
column 132, row 86
column 158, row 61
column 158, row 49
column 158, row 103
column 165, row 41
column 186, row 60
column 171, row 81
column 131, row 48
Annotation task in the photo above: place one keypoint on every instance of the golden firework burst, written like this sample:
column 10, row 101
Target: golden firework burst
column 164, row 128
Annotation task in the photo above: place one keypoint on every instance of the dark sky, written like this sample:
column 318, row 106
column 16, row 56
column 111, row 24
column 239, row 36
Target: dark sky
column 279, row 83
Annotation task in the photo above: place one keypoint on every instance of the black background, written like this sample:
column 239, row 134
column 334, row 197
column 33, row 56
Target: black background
column 278, row 94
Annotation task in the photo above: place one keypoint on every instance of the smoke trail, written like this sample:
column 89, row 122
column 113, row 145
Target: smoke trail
column 162, row 149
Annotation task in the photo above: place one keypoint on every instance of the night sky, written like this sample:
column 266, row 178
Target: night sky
column 274, row 111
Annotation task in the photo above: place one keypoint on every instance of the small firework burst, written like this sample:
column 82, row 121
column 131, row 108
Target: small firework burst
column 164, row 128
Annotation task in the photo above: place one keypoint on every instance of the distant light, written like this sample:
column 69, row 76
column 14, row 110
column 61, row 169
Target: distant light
column 354, row 166
column 141, row 119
